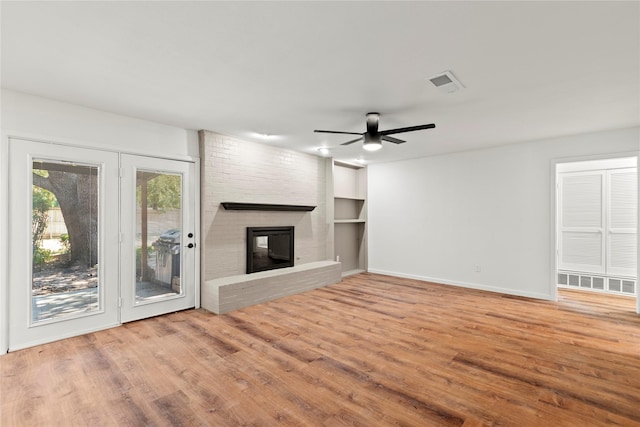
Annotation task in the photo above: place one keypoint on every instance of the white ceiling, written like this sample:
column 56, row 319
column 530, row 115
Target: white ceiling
column 531, row 69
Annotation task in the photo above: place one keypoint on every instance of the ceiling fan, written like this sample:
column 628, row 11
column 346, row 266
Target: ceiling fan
column 373, row 137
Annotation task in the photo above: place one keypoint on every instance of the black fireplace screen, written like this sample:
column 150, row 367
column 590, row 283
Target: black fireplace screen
column 269, row 248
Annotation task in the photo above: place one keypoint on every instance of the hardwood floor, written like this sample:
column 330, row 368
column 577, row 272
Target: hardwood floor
column 370, row 351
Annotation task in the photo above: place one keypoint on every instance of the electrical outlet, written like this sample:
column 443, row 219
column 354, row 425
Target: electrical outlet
column 478, row 269
column 338, row 258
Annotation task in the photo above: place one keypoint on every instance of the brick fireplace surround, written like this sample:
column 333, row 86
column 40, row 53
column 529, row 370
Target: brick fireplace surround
column 240, row 171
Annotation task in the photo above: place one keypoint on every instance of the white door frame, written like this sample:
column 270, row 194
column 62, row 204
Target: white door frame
column 5, row 135
column 23, row 330
column 4, row 244
column 131, row 309
column 553, row 219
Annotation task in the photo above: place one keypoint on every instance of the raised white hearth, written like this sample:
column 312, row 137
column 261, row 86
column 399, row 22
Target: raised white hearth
column 233, row 292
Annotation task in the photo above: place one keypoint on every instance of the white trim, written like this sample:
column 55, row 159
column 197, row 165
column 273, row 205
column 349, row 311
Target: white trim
column 599, row 164
column 469, row 285
column 4, row 244
column 553, row 230
column 553, row 220
column 70, row 142
column 195, row 176
column 62, row 337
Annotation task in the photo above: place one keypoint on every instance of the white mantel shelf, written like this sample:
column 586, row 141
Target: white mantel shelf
column 241, row 206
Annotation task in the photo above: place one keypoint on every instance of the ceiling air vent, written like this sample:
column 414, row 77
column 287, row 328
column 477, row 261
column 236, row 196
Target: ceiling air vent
column 446, row 82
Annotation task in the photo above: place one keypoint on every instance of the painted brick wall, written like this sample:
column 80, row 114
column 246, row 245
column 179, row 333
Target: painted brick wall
column 240, row 171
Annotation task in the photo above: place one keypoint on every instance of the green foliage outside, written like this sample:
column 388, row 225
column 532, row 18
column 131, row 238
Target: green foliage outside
column 42, row 201
column 66, row 244
column 163, row 192
column 41, row 256
column 66, row 247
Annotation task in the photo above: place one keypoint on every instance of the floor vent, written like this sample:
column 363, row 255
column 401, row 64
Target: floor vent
column 617, row 285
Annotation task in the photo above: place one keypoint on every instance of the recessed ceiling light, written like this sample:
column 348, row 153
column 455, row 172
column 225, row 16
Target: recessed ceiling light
column 446, row 82
column 265, row 136
column 324, row 151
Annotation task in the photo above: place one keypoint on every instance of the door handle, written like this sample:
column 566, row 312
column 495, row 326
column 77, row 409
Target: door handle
column 191, row 245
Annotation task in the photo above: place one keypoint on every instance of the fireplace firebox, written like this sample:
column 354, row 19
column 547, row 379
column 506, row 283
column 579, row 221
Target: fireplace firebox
column 269, row 248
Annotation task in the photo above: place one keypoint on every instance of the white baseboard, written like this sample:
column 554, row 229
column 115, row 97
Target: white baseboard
column 22, row 346
column 469, row 285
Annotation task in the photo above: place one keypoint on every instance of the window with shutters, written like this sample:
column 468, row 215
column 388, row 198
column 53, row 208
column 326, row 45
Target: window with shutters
column 597, row 235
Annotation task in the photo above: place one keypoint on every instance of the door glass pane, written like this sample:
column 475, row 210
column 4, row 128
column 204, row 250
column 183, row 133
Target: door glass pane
column 65, row 278
column 158, row 235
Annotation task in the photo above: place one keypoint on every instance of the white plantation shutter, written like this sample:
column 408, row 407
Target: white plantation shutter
column 622, row 220
column 622, row 254
column 584, row 249
column 582, row 238
column 582, row 200
column 623, row 198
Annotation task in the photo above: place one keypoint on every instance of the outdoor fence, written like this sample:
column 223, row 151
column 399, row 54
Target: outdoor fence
column 55, row 226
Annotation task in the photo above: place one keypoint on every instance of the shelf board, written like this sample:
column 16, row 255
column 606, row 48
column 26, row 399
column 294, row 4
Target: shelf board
column 360, row 199
column 265, row 207
column 348, row 221
column 347, row 164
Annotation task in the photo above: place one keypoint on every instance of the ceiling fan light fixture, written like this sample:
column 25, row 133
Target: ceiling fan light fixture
column 371, row 142
column 372, row 145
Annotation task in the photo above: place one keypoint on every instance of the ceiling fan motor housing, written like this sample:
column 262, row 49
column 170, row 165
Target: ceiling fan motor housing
column 372, row 123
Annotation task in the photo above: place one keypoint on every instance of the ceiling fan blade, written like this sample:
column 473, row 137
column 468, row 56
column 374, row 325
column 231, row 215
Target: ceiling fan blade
column 352, row 141
column 407, row 129
column 338, row 131
column 392, row 139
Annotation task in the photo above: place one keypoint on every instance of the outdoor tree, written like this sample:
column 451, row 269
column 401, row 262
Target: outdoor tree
column 76, row 190
column 163, row 191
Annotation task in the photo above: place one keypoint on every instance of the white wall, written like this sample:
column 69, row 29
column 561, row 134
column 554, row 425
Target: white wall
column 44, row 119
column 32, row 117
column 442, row 218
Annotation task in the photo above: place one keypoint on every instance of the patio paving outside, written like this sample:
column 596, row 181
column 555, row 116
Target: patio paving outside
column 45, row 307
column 51, row 306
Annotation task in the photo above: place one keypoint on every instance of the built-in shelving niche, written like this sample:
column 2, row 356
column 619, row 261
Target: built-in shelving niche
column 350, row 217
column 348, row 210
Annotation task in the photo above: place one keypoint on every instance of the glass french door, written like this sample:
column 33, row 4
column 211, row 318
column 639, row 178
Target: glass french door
column 63, row 278
column 97, row 238
column 158, row 236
